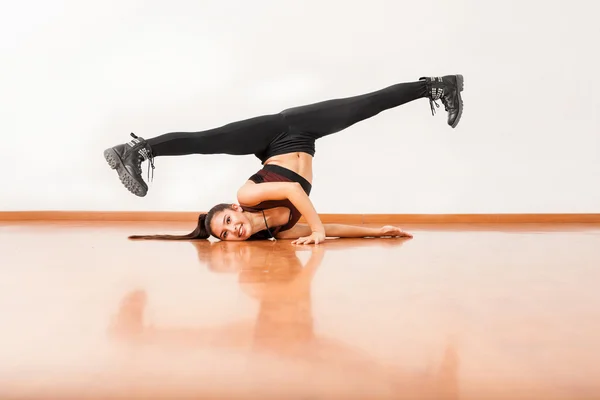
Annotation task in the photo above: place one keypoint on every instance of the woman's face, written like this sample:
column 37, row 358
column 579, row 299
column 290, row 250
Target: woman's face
column 231, row 224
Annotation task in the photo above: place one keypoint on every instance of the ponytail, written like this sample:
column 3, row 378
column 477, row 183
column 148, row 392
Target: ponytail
column 199, row 233
column 202, row 230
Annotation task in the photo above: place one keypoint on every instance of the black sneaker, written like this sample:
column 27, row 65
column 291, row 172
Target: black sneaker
column 127, row 159
column 447, row 89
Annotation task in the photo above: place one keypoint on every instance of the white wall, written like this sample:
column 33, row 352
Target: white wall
column 78, row 76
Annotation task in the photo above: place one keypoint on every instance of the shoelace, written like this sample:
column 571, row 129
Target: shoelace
column 150, row 164
column 437, row 93
column 150, row 158
column 431, row 103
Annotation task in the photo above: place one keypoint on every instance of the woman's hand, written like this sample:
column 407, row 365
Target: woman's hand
column 393, row 231
column 315, row 237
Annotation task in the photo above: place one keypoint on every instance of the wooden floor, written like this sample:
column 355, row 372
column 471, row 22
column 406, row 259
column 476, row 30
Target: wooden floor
column 458, row 312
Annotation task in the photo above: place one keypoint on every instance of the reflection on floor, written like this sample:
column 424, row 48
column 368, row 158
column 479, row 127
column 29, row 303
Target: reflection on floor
column 491, row 312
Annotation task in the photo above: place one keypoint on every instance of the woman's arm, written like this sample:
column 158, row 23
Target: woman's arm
column 251, row 194
column 345, row 231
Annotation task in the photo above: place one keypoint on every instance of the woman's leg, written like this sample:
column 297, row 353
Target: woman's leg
column 311, row 122
column 331, row 116
column 237, row 138
column 249, row 136
column 327, row 117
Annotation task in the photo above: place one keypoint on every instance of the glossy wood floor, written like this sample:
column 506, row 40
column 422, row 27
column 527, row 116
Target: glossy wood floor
column 458, row 312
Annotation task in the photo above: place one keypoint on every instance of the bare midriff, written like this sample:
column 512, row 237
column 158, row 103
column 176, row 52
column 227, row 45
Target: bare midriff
column 300, row 163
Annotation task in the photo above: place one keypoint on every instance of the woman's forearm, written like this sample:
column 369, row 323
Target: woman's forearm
column 302, row 202
column 345, row 231
column 351, row 231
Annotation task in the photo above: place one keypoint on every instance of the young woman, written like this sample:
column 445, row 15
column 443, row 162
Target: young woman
column 272, row 200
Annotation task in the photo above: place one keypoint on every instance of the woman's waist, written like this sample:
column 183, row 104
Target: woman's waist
column 297, row 162
column 277, row 173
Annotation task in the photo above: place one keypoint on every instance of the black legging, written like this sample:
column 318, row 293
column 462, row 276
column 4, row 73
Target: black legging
column 292, row 130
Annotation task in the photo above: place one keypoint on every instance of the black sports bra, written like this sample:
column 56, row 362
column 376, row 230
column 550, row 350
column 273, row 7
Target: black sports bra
column 276, row 173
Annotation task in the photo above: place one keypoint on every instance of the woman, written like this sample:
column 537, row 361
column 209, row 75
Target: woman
column 272, row 201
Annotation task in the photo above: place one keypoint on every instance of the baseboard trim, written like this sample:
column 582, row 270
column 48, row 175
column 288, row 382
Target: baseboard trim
column 174, row 216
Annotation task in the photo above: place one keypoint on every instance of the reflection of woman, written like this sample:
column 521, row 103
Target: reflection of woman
column 240, row 258
column 273, row 199
column 284, row 326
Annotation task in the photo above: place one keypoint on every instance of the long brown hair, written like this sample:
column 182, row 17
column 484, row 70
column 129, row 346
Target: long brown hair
column 202, row 230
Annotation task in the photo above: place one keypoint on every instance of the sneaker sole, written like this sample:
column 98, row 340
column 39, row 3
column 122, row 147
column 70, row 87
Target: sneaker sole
column 114, row 161
column 460, row 83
